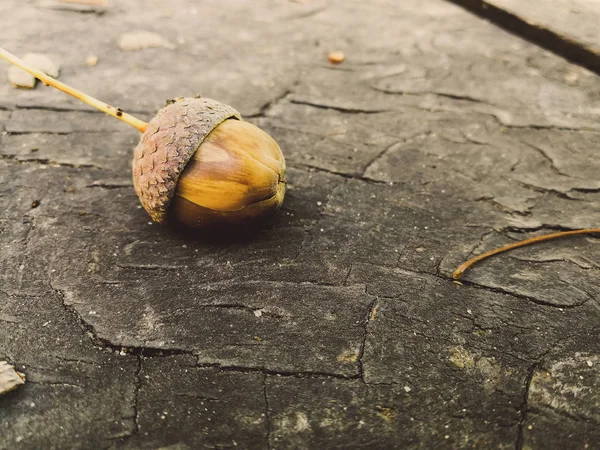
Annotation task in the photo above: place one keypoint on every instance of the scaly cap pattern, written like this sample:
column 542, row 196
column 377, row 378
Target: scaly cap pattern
column 166, row 147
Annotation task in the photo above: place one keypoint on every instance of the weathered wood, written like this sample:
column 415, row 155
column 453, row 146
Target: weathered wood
column 337, row 326
column 566, row 27
column 573, row 20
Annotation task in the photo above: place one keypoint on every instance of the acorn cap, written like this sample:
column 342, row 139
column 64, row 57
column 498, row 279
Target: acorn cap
column 166, row 147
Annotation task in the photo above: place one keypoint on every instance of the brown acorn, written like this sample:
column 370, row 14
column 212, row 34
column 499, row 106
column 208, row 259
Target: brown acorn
column 198, row 163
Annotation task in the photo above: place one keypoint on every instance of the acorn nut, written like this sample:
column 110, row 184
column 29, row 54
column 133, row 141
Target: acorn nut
column 198, row 163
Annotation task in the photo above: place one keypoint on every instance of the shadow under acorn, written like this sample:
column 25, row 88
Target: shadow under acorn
column 245, row 233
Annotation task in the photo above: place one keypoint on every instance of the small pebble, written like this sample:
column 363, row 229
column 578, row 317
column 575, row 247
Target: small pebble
column 21, row 79
column 9, row 378
column 589, row 363
column 336, row 57
column 139, row 40
column 571, row 78
column 91, row 60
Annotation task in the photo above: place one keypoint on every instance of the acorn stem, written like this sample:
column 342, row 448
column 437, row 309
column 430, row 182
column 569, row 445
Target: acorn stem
column 49, row 81
column 458, row 272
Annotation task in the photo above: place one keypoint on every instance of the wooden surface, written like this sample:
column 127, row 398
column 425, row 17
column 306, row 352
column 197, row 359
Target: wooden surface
column 575, row 20
column 566, row 27
column 338, row 326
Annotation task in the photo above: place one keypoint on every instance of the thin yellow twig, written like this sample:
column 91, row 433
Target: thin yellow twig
column 49, row 81
column 459, row 272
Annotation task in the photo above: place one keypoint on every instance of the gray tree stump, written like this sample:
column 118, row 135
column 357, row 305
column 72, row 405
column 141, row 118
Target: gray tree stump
column 338, row 326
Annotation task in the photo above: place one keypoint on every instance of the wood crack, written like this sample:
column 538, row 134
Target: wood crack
column 535, row 33
column 47, row 162
column 449, row 95
column 550, row 161
column 279, row 373
column 267, row 413
column 136, row 398
column 339, row 108
column 371, row 313
column 264, row 109
column 383, row 152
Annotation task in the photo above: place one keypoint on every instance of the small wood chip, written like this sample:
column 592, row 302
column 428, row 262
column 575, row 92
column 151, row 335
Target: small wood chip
column 21, row 79
column 91, row 60
column 572, row 78
column 84, row 2
column 139, row 40
column 9, row 378
column 336, row 57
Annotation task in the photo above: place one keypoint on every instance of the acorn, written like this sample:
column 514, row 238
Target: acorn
column 198, row 163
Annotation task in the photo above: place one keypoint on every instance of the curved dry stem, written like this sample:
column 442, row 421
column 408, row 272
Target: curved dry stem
column 459, row 272
column 49, row 81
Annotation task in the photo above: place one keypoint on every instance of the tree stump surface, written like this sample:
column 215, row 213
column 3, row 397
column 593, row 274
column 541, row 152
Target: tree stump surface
column 439, row 137
column 567, row 27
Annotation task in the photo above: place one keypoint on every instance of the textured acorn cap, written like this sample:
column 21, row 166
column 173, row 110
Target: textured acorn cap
column 166, row 147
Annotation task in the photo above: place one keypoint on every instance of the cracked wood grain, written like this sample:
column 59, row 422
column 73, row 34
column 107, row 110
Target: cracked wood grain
column 371, row 313
column 336, row 325
column 47, row 162
column 565, row 28
column 136, row 398
column 337, row 108
column 267, row 413
column 523, row 406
